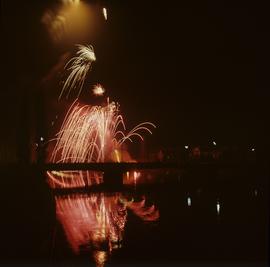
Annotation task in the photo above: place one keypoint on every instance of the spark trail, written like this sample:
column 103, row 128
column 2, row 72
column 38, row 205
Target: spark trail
column 91, row 134
column 94, row 134
column 78, row 66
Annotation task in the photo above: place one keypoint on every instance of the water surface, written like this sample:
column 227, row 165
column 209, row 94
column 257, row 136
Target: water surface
column 158, row 217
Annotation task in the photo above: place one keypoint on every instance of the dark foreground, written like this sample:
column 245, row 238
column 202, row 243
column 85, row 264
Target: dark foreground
column 206, row 217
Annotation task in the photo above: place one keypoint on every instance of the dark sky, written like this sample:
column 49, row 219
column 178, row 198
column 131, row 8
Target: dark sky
column 197, row 69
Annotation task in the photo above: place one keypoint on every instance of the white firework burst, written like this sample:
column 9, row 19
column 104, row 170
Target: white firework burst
column 78, row 67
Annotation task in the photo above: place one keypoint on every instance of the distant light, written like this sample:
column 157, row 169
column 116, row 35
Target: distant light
column 189, row 201
column 186, row 147
column 253, row 149
column 136, row 175
column 218, row 207
column 98, row 90
column 41, row 139
column 117, row 155
column 214, row 143
column 256, row 192
column 104, row 10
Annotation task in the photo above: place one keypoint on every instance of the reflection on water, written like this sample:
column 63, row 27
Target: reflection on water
column 218, row 207
column 96, row 222
column 189, row 201
column 138, row 177
column 73, row 179
column 208, row 212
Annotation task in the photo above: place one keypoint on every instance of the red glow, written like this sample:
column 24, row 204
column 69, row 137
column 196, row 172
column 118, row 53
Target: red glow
column 73, row 179
column 94, row 134
column 99, row 220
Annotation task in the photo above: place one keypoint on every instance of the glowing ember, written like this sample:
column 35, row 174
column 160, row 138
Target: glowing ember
column 98, row 90
column 104, row 10
column 79, row 67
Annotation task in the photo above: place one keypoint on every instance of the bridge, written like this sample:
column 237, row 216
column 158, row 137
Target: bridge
column 127, row 166
column 113, row 172
column 108, row 166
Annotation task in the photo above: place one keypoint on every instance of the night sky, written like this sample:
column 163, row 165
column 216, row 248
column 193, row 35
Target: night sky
column 197, row 69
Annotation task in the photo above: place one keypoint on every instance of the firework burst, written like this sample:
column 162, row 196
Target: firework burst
column 78, row 67
column 93, row 134
column 98, row 90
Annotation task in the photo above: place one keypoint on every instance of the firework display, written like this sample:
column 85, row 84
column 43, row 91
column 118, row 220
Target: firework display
column 94, row 134
column 91, row 134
